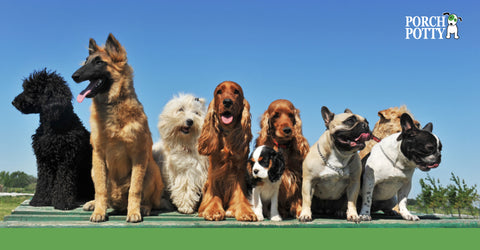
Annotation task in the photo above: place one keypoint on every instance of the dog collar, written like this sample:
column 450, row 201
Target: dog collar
column 338, row 170
column 279, row 145
column 376, row 138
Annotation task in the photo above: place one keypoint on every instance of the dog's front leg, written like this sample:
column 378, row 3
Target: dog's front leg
column 274, row 215
column 353, row 188
column 402, row 204
column 136, row 187
column 240, row 204
column 257, row 204
column 307, row 195
column 99, row 174
column 367, row 193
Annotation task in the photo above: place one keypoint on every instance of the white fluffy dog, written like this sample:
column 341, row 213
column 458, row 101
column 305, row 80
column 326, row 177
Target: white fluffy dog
column 183, row 169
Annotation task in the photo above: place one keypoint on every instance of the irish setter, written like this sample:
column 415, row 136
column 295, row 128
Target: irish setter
column 225, row 139
column 281, row 128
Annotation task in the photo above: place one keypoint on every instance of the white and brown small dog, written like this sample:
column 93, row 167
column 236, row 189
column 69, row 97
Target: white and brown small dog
column 390, row 167
column 265, row 168
column 183, row 169
column 332, row 168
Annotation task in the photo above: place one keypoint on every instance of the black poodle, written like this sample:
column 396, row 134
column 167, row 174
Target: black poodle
column 61, row 143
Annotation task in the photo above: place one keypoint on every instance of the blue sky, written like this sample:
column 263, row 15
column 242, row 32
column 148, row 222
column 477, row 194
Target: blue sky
column 334, row 53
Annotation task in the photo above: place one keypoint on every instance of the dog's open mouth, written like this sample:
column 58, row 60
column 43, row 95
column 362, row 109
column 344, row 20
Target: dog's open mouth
column 356, row 142
column 91, row 90
column 227, row 117
column 185, row 129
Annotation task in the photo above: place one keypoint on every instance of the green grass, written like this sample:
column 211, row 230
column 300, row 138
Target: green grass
column 8, row 203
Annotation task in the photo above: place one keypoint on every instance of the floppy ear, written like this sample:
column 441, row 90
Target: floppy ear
column 115, row 50
column 301, row 141
column 408, row 126
column 459, row 18
column 264, row 128
column 446, row 13
column 428, row 127
column 278, row 167
column 246, row 122
column 327, row 116
column 208, row 140
column 92, row 46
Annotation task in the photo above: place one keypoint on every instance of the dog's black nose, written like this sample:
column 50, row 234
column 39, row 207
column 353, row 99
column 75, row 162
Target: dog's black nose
column 255, row 171
column 189, row 122
column 287, row 130
column 76, row 77
column 227, row 103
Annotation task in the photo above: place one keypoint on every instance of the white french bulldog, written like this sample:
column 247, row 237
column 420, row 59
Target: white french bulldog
column 389, row 169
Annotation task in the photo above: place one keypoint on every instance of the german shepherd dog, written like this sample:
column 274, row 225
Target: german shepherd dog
column 123, row 170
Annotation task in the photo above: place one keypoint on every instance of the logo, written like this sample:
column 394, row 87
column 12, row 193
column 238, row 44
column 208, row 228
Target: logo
column 431, row 27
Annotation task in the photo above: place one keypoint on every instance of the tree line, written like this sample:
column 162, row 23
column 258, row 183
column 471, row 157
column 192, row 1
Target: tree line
column 456, row 196
column 16, row 180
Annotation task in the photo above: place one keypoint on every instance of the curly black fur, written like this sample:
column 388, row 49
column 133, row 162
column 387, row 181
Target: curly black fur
column 61, row 142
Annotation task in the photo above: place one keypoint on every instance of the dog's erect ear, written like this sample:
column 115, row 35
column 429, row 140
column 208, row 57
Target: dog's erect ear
column 446, row 13
column 278, row 167
column 327, row 115
column 428, row 127
column 383, row 115
column 115, row 50
column 348, row 111
column 408, row 126
column 92, row 46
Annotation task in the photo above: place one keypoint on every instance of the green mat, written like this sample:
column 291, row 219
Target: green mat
column 26, row 216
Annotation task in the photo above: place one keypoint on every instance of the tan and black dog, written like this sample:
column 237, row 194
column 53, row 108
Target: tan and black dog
column 124, row 173
column 332, row 168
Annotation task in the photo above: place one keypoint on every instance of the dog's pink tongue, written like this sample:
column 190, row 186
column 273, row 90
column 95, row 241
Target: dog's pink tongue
column 433, row 166
column 227, row 120
column 364, row 137
column 82, row 95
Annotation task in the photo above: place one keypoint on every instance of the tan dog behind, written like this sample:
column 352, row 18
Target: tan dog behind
column 124, row 173
column 389, row 123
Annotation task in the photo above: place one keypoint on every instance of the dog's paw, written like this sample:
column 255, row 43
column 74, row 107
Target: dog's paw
column 89, row 206
column 410, row 217
column 248, row 216
column 214, row 214
column 98, row 217
column 259, row 216
column 186, row 210
column 304, row 217
column 230, row 213
column 353, row 218
column 365, row 217
column 145, row 210
column 276, row 218
column 134, row 217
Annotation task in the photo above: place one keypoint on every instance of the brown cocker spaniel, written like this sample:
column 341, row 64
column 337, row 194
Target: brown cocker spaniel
column 281, row 128
column 225, row 139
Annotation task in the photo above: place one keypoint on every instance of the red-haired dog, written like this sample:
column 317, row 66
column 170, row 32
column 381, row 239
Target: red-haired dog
column 281, row 127
column 225, row 138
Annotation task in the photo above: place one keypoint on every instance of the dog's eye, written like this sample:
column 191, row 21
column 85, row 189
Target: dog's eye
column 276, row 115
column 197, row 113
column 219, row 92
column 180, row 110
column 350, row 121
column 236, row 92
